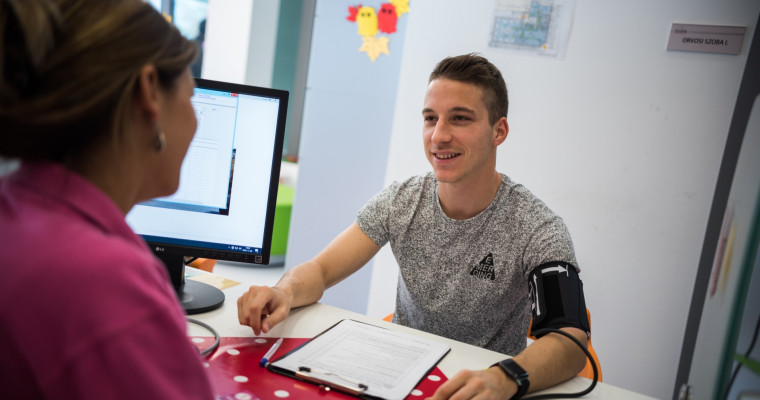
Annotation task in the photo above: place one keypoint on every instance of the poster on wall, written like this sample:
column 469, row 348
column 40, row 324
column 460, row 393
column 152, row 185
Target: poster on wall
column 375, row 25
column 540, row 27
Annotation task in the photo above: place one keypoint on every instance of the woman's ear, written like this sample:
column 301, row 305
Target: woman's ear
column 147, row 93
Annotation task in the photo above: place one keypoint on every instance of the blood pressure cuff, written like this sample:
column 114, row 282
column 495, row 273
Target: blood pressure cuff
column 557, row 295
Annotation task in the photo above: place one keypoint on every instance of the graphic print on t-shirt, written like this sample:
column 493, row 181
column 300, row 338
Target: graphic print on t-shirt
column 484, row 269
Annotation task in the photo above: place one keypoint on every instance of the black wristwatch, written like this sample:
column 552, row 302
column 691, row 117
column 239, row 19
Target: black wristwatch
column 515, row 371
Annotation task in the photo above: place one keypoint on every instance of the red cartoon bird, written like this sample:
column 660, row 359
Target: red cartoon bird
column 386, row 18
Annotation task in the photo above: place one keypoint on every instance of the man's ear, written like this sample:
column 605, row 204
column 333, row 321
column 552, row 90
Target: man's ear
column 501, row 130
column 147, row 93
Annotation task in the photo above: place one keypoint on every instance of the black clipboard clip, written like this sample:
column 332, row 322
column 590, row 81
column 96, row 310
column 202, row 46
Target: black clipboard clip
column 305, row 373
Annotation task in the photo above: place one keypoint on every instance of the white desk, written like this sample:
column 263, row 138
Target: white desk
column 307, row 322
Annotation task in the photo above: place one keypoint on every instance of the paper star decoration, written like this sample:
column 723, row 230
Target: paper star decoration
column 373, row 46
column 402, row 6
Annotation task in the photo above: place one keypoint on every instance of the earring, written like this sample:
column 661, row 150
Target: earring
column 159, row 141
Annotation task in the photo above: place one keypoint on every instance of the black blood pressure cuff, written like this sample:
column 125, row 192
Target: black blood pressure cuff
column 557, row 295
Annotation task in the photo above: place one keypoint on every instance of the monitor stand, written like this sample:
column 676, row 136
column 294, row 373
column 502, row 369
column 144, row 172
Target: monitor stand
column 196, row 297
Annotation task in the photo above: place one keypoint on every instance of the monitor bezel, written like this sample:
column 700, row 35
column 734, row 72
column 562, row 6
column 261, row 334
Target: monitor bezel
column 161, row 247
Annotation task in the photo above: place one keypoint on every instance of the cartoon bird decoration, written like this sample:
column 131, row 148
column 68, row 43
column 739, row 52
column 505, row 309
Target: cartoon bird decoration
column 386, row 18
column 369, row 22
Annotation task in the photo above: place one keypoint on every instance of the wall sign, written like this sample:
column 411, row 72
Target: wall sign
column 706, row 38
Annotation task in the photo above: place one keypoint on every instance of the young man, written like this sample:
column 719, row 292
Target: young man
column 469, row 243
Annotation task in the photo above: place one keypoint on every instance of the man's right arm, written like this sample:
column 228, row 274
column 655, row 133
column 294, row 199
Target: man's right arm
column 263, row 307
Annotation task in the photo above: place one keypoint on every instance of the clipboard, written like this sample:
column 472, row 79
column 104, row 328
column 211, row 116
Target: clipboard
column 234, row 369
column 362, row 360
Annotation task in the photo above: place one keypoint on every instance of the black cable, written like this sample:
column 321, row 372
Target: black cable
column 590, row 358
column 190, row 260
column 217, row 339
column 747, row 354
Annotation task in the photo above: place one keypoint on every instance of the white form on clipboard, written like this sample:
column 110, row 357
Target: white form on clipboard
column 364, row 360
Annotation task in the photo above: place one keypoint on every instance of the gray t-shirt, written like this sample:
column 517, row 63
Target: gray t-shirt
column 466, row 279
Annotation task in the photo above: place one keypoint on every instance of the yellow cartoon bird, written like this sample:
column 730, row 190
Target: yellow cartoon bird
column 367, row 21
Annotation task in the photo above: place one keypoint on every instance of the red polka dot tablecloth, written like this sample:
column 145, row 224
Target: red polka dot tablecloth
column 235, row 371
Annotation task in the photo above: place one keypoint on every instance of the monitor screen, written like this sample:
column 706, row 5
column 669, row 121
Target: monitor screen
column 224, row 207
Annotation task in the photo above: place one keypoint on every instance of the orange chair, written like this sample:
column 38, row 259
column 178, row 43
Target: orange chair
column 586, row 372
column 205, row 264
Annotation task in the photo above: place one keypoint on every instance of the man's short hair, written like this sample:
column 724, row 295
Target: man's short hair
column 474, row 69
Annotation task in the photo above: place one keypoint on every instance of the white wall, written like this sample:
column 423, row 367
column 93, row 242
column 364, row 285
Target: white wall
column 622, row 138
column 240, row 41
column 262, row 42
column 345, row 135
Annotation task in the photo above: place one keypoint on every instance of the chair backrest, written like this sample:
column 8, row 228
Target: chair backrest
column 586, row 372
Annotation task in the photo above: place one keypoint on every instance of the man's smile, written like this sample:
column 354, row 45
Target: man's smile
column 445, row 156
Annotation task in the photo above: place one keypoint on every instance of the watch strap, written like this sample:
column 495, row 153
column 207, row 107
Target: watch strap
column 518, row 374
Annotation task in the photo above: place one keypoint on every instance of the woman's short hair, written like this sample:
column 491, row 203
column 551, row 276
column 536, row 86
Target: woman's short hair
column 474, row 69
column 68, row 71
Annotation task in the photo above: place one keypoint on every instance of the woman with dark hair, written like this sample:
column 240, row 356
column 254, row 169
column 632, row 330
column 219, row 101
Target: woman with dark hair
column 95, row 102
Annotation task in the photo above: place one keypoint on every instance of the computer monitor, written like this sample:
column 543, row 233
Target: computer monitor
column 224, row 207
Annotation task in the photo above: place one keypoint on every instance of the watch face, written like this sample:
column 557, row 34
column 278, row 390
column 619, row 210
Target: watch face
column 514, row 370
